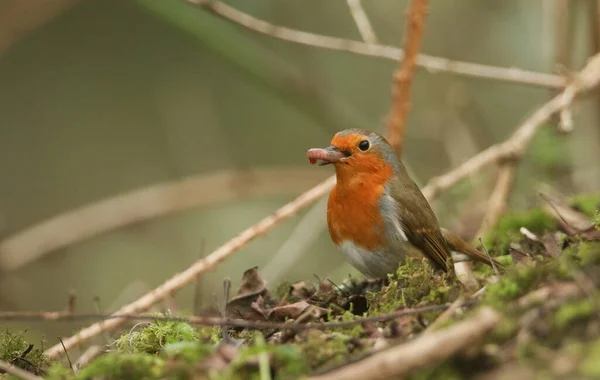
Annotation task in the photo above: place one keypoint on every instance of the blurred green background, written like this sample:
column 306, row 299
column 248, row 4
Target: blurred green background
column 100, row 98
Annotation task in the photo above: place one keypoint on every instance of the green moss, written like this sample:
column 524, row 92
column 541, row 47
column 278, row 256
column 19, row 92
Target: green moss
column 59, row 372
column 590, row 365
column 519, row 280
column 415, row 283
column 586, row 203
column 288, row 360
column 14, row 345
column 506, row 230
column 210, row 334
column 320, row 349
column 187, row 351
column 124, row 366
column 597, row 219
column 157, row 334
column 445, row 370
column 589, row 252
column 574, row 311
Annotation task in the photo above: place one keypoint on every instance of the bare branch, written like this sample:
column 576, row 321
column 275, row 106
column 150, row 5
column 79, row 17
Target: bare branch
column 428, row 349
column 18, row 372
column 362, row 21
column 147, row 203
column 218, row 321
column 431, row 63
column 415, row 24
column 520, row 139
column 186, row 277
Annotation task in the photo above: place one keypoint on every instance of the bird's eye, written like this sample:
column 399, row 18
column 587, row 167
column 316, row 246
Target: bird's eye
column 363, row 145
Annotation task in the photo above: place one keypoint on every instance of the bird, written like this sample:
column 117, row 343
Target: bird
column 376, row 214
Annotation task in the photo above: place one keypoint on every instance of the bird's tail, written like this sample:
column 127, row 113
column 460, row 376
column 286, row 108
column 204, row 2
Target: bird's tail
column 455, row 243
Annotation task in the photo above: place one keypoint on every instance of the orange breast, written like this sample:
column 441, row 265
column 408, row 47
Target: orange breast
column 353, row 213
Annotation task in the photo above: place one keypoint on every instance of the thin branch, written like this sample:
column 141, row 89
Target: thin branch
column 431, row 63
column 186, row 277
column 362, row 21
column 445, row 316
column 499, row 199
column 147, row 203
column 415, row 24
column 426, row 350
column 219, row 321
column 18, row 372
column 516, row 145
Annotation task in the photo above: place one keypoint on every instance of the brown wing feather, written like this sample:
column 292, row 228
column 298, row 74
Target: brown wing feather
column 420, row 224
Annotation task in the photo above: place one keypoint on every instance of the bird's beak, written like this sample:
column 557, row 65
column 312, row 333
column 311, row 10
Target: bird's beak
column 329, row 155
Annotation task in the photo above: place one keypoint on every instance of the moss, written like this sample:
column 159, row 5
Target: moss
column 519, row 280
column 320, row 349
column 586, row 203
column 59, row 372
column 157, row 334
column 415, row 283
column 589, row 253
column 187, row 351
column 445, row 370
column 506, row 230
column 288, row 360
column 597, row 219
column 590, row 365
column 14, row 346
column 574, row 311
column 125, row 366
column 210, row 334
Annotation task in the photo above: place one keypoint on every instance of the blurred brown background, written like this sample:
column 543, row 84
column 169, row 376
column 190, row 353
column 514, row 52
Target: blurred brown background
column 101, row 98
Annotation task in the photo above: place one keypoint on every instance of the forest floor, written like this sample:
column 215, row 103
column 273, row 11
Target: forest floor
column 540, row 318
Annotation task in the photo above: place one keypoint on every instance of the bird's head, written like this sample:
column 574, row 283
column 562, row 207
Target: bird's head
column 355, row 152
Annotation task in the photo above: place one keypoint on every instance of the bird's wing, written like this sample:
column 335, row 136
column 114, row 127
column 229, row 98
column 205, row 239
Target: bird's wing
column 421, row 226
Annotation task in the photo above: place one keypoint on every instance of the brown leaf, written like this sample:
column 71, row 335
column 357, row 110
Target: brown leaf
column 252, row 283
column 302, row 290
column 289, row 311
column 251, row 288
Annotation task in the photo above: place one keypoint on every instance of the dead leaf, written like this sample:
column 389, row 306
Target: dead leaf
column 302, row 290
column 252, row 287
column 289, row 311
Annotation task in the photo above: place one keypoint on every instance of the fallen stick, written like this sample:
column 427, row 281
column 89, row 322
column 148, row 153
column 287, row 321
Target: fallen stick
column 424, row 351
column 186, row 277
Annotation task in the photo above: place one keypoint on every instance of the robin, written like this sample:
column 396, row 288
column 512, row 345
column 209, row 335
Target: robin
column 376, row 214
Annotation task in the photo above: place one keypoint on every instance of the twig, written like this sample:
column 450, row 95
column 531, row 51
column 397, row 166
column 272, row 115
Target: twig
column 484, row 249
column 499, row 199
column 431, row 63
column 147, row 203
column 88, row 355
column 66, row 354
column 449, row 312
column 515, row 146
column 18, row 372
column 217, row 321
column 426, row 350
column 182, row 279
column 415, row 24
column 362, row 21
